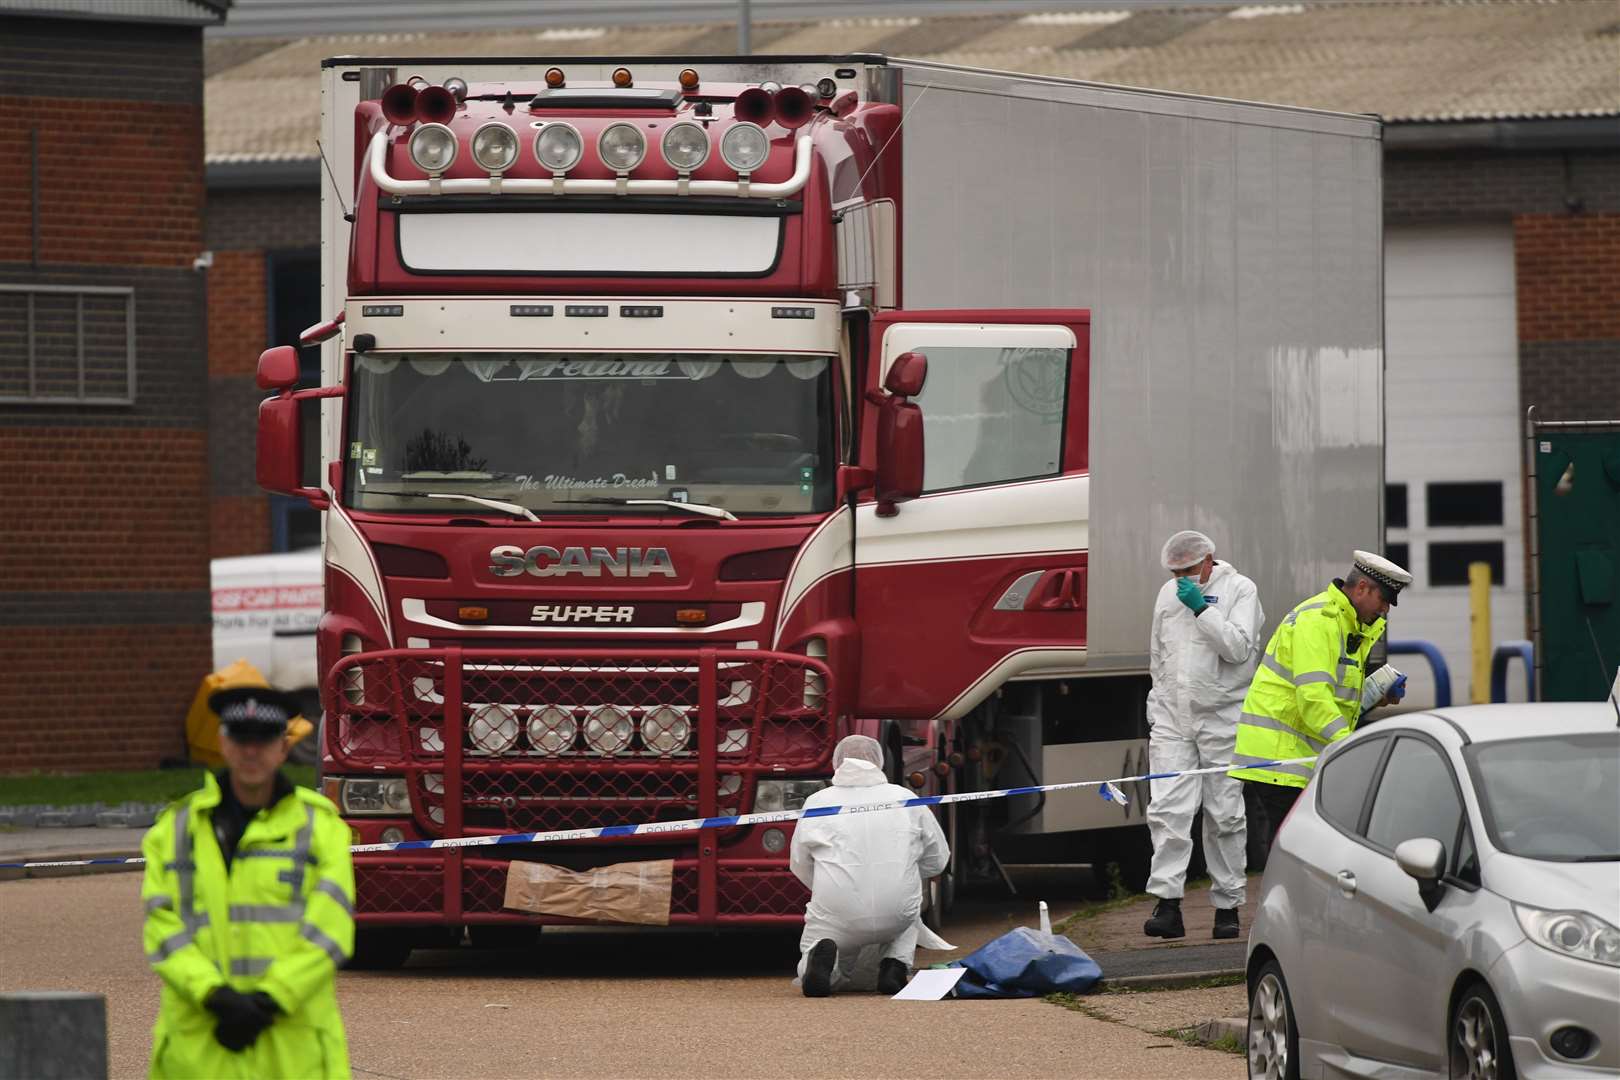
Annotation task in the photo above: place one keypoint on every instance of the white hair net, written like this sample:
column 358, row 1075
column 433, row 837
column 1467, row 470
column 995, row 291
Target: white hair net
column 861, row 748
column 1186, row 548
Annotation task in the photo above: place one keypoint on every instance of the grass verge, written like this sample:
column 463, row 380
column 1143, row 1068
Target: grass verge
column 1227, row 1044
column 146, row 786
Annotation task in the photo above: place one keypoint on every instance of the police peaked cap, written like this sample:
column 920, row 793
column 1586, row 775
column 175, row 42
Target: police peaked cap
column 253, row 711
column 1391, row 578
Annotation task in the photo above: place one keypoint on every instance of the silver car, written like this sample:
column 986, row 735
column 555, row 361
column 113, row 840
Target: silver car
column 1445, row 899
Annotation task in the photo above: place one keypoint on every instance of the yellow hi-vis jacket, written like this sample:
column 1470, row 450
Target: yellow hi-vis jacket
column 281, row 921
column 1306, row 692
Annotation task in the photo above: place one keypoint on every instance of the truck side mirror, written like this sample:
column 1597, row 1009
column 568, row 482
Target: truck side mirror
column 279, row 455
column 279, row 458
column 278, row 368
column 900, row 434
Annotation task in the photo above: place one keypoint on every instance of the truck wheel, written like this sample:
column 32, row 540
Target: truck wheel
column 938, row 899
column 1131, row 854
column 504, row 937
column 380, row 949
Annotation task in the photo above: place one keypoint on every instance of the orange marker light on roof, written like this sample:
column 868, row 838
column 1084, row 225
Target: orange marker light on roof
column 621, row 77
column 554, row 77
column 689, row 79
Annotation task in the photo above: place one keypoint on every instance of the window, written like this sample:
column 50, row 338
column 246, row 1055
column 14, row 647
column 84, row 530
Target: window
column 1341, row 791
column 1416, row 798
column 1466, row 864
column 1399, row 554
column 563, row 433
column 67, row 344
column 294, row 524
column 1448, row 562
column 1465, row 504
column 992, row 414
column 1395, row 506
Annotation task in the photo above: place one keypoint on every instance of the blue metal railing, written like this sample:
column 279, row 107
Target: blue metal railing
column 1506, row 652
column 1437, row 664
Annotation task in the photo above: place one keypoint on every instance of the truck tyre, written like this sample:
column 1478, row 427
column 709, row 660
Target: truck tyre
column 380, row 949
column 504, row 937
column 939, row 896
column 1131, row 855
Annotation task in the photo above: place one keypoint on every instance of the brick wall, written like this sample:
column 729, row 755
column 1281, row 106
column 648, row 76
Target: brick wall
column 104, row 610
column 1568, row 274
column 246, row 228
column 1565, row 210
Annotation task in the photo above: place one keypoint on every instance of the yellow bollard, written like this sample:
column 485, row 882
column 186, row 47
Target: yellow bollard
column 1479, row 627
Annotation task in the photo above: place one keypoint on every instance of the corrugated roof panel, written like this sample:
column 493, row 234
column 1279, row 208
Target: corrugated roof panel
column 1416, row 60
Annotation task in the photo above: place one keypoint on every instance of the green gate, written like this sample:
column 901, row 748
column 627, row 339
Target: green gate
column 1574, row 534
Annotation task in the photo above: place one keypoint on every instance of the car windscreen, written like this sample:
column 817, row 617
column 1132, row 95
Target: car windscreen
column 1551, row 797
column 554, row 433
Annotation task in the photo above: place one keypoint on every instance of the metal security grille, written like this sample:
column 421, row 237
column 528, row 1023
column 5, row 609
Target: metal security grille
column 506, row 740
column 67, row 344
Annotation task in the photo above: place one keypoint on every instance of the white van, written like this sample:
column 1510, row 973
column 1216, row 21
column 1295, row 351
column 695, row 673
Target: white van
column 265, row 611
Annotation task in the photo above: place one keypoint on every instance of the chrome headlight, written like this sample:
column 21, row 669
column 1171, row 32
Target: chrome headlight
column 666, row 730
column 1572, row 933
column 374, row 796
column 773, row 795
column 558, row 147
column 494, row 729
column 552, row 730
column 621, row 146
column 608, row 729
column 434, row 148
column 685, row 146
column 495, row 147
column 745, row 146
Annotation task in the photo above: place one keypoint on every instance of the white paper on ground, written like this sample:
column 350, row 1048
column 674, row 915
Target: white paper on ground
column 930, row 984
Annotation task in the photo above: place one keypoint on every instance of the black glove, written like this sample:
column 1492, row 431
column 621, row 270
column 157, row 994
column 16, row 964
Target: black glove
column 241, row 1018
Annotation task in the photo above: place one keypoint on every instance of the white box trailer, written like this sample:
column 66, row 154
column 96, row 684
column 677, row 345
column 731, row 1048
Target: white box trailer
column 1230, row 257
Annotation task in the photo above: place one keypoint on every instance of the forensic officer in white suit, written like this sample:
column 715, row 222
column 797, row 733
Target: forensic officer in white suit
column 865, row 873
column 1205, row 644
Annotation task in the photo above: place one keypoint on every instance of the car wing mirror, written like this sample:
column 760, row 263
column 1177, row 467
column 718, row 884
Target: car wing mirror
column 1424, row 860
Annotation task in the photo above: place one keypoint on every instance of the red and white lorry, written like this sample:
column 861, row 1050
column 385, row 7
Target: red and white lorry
column 680, row 416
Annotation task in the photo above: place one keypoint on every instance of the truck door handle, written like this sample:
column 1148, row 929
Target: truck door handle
column 1062, row 593
column 1347, row 883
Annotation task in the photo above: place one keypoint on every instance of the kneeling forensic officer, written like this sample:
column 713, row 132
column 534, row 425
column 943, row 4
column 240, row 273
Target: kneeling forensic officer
column 865, row 873
column 249, row 896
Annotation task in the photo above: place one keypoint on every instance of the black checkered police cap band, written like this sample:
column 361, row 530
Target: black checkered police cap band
column 253, row 713
column 1389, row 577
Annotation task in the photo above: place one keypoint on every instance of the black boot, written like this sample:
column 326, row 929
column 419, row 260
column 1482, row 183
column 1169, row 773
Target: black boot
column 1226, row 923
column 817, row 980
column 1166, row 921
column 892, row 976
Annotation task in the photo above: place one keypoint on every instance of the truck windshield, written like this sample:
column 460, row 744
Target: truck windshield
column 750, row 434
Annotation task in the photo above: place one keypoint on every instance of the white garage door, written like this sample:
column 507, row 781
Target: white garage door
column 1454, row 445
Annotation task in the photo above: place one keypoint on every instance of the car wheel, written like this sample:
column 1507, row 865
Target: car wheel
column 1478, row 1043
column 1273, row 1035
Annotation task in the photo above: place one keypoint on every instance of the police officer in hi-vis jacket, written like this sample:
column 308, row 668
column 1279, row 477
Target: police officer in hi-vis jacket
column 249, row 897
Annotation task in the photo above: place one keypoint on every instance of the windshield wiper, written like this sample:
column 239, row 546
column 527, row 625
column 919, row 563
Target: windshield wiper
column 494, row 504
column 695, row 508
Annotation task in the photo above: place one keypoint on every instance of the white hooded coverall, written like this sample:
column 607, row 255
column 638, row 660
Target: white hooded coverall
column 1201, row 667
column 865, row 871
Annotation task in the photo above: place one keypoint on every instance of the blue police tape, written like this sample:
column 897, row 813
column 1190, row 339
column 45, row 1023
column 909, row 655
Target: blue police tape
column 1108, row 789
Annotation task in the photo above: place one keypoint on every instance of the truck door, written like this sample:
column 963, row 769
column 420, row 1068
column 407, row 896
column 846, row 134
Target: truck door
column 983, row 577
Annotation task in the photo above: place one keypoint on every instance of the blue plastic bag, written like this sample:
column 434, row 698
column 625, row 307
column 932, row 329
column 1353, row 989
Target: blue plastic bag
column 1026, row 963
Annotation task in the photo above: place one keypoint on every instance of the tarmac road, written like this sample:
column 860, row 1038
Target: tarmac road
column 595, row 1004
